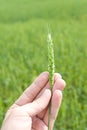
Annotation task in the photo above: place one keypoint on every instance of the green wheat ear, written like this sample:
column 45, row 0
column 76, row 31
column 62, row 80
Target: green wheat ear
column 51, row 65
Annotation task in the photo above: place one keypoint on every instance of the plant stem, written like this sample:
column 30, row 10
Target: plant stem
column 51, row 69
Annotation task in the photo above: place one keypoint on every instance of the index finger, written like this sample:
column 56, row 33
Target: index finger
column 32, row 91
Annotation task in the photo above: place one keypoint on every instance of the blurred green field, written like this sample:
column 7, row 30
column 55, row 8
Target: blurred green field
column 23, row 53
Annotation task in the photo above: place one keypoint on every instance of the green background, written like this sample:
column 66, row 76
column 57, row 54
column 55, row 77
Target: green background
column 23, row 53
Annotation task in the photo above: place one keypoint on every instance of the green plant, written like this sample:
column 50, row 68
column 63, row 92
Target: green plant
column 51, row 69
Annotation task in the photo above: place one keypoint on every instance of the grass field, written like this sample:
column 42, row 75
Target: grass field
column 23, row 53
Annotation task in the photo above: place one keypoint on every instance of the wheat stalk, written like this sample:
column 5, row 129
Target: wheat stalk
column 51, row 69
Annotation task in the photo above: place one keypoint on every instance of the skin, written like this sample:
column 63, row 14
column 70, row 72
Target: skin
column 30, row 111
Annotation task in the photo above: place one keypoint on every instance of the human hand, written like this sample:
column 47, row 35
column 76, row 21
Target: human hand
column 30, row 111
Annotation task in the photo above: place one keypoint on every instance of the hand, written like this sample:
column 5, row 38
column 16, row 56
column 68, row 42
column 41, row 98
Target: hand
column 30, row 111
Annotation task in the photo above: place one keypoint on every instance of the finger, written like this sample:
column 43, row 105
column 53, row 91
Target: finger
column 39, row 104
column 59, row 84
column 31, row 92
column 56, row 102
column 56, row 77
column 42, row 113
column 55, row 105
column 38, row 124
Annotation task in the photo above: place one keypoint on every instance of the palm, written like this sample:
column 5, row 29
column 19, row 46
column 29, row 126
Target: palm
column 24, row 121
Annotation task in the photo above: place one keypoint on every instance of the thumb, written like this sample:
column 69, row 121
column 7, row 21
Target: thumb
column 39, row 104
